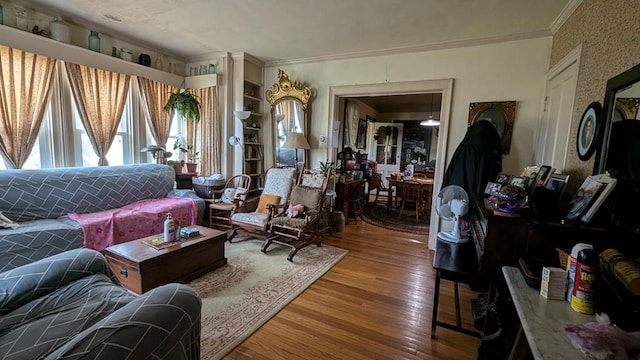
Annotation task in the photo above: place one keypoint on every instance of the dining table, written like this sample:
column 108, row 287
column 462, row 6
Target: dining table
column 398, row 182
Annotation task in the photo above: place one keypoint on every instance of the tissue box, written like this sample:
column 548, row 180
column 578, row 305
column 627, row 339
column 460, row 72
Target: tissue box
column 554, row 282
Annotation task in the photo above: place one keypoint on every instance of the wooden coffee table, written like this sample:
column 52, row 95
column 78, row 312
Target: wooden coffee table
column 141, row 267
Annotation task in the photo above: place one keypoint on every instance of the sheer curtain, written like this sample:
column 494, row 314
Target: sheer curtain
column 210, row 128
column 25, row 84
column 154, row 97
column 100, row 96
column 351, row 125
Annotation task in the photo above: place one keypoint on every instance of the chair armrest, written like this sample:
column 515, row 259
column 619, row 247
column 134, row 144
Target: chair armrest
column 31, row 281
column 163, row 323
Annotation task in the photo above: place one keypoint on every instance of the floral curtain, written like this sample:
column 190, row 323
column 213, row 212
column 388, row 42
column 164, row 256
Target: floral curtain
column 209, row 130
column 154, row 97
column 25, row 84
column 100, row 96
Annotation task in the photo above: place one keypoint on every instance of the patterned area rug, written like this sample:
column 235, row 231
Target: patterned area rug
column 376, row 214
column 241, row 296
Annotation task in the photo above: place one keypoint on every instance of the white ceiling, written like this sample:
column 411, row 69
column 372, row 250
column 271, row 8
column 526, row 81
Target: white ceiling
column 284, row 30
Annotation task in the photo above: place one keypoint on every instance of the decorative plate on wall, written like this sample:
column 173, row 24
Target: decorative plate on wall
column 589, row 130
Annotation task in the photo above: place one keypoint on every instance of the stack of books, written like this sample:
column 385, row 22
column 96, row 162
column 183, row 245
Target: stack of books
column 590, row 196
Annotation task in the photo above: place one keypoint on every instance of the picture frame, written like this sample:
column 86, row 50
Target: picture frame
column 492, row 188
column 589, row 131
column 502, row 115
column 543, row 175
column 503, row 179
column 558, row 183
column 518, row 181
column 361, row 137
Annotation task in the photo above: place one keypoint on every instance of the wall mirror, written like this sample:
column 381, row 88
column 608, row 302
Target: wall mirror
column 290, row 110
column 620, row 151
column 501, row 114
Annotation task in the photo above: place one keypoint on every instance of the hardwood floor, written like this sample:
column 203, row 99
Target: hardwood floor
column 374, row 304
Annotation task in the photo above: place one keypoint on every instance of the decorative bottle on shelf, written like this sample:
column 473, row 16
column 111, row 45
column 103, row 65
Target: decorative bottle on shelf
column 169, row 229
column 94, row 41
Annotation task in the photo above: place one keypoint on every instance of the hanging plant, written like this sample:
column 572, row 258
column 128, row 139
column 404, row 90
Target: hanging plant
column 185, row 103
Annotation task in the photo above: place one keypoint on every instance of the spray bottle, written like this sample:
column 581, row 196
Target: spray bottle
column 169, row 229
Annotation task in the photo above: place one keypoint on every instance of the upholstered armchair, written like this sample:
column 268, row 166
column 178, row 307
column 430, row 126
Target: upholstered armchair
column 277, row 187
column 298, row 226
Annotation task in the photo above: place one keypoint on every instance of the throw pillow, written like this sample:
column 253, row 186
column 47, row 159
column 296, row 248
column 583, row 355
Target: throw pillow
column 266, row 199
column 241, row 193
column 295, row 210
column 227, row 195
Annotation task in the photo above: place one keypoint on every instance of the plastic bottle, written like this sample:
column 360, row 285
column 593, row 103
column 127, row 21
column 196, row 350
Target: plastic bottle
column 169, row 229
column 571, row 268
column 584, row 290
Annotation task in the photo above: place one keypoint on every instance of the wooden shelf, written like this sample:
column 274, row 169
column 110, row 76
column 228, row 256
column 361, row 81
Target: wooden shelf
column 252, row 98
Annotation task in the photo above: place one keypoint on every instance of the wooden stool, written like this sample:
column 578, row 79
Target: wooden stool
column 356, row 202
column 453, row 262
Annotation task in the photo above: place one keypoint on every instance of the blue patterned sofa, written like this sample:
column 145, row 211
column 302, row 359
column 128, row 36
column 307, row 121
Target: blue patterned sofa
column 69, row 306
column 39, row 199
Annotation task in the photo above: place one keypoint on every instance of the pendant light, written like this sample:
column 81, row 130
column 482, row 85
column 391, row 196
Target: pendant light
column 431, row 121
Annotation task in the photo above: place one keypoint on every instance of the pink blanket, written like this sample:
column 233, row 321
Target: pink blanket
column 134, row 221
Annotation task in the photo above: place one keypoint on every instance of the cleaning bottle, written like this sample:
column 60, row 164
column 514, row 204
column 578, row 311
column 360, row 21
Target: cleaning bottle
column 571, row 268
column 169, row 229
column 584, row 290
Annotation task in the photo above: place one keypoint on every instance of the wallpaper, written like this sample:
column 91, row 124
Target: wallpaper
column 609, row 32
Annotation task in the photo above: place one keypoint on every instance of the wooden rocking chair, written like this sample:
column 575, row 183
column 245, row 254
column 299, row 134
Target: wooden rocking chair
column 300, row 231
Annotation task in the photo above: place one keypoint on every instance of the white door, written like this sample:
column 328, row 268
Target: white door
column 385, row 148
column 556, row 117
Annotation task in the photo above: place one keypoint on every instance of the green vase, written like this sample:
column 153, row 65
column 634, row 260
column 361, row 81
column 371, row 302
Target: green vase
column 94, row 41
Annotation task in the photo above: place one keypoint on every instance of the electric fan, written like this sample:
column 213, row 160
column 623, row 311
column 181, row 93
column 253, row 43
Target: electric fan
column 453, row 202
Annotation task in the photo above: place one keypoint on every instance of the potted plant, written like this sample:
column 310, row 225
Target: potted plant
column 177, row 165
column 192, row 155
column 159, row 153
column 185, row 103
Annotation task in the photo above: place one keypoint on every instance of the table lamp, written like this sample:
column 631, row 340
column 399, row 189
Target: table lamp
column 296, row 140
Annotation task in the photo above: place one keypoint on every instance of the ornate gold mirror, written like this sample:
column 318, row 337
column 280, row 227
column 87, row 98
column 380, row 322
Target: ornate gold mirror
column 290, row 109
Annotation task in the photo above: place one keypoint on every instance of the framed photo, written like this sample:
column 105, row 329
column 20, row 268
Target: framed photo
column 589, row 130
column 543, row 175
column 519, row 181
column 492, row 188
column 558, row 183
column 501, row 114
column 361, row 137
column 503, row 179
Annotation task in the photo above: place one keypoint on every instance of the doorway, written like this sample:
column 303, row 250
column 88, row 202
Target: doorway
column 443, row 87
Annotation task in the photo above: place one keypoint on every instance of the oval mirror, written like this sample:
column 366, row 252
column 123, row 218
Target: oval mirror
column 290, row 111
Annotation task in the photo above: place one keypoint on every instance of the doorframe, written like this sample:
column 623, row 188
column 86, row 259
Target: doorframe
column 571, row 59
column 442, row 86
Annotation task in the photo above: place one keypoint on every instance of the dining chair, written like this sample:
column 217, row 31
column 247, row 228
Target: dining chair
column 417, row 194
column 376, row 183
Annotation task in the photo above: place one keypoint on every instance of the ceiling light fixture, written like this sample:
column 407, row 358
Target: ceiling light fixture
column 242, row 115
column 431, row 121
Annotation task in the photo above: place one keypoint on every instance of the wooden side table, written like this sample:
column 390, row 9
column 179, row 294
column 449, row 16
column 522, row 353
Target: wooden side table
column 183, row 180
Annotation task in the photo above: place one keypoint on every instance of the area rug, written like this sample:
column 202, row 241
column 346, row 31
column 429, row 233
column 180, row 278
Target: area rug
column 241, row 296
column 376, row 214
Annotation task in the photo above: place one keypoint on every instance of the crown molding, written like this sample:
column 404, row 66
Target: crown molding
column 418, row 48
column 564, row 15
column 207, row 56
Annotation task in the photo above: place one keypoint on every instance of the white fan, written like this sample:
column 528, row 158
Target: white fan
column 453, row 202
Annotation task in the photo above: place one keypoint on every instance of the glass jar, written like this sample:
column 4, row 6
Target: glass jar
column 1, row 15
column 94, row 41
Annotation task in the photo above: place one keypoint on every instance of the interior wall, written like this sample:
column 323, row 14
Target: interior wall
column 608, row 32
column 513, row 70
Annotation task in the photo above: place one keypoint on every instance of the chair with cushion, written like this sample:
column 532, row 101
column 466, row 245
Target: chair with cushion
column 298, row 227
column 228, row 200
column 278, row 184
